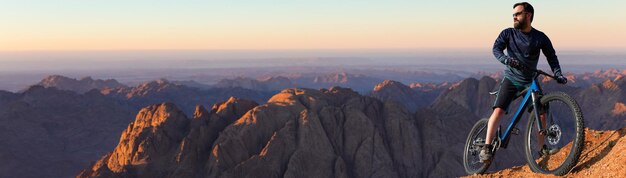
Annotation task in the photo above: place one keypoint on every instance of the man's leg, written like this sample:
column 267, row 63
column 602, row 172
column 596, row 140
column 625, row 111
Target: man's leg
column 494, row 120
column 506, row 93
column 486, row 153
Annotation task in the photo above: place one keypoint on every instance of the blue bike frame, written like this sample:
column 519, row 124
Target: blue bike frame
column 531, row 95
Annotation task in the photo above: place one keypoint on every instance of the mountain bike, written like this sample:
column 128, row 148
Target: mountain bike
column 562, row 132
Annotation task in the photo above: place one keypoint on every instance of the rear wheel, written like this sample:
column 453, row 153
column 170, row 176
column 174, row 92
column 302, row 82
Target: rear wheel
column 475, row 141
column 563, row 137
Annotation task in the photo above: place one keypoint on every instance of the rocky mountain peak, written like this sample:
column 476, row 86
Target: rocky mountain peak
column 155, row 132
column 200, row 112
column 56, row 79
column 619, row 109
column 392, row 85
column 619, row 77
column 233, row 107
column 428, row 87
column 150, row 87
column 610, row 85
column 164, row 115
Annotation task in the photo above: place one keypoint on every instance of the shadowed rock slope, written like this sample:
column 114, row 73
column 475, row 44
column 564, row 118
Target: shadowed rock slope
column 46, row 132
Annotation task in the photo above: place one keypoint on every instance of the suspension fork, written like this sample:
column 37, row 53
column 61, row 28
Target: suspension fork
column 536, row 106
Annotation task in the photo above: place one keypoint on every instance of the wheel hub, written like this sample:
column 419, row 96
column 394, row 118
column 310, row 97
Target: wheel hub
column 475, row 147
column 554, row 134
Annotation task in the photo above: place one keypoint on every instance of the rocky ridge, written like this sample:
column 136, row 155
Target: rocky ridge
column 297, row 133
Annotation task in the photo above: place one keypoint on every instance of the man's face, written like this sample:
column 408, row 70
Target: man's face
column 520, row 18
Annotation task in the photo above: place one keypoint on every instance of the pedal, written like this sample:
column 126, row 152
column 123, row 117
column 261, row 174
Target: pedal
column 515, row 131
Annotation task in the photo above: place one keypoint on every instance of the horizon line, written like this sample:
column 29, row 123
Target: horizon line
column 612, row 49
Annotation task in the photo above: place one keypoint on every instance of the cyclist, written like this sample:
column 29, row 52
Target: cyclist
column 523, row 43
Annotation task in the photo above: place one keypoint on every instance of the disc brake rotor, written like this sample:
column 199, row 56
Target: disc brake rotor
column 554, row 134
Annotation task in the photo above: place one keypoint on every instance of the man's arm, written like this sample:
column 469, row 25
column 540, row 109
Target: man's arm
column 553, row 61
column 500, row 45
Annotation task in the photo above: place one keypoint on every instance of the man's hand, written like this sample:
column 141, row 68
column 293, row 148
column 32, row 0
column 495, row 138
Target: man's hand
column 560, row 79
column 514, row 63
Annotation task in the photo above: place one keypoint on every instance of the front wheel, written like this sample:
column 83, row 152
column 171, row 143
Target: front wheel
column 475, row 141
column 556, row 149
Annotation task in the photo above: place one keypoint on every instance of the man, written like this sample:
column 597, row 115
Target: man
column 523, row 43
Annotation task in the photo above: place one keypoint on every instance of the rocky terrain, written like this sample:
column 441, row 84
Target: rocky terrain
column 297, row 133
column 602, row 156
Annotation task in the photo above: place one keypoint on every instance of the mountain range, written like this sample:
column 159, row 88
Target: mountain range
column 396, row 130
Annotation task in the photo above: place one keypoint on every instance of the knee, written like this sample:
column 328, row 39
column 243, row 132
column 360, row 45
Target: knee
column 498, row 111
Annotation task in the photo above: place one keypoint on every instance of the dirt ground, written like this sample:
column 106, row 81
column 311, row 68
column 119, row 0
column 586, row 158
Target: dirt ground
column 604, row 155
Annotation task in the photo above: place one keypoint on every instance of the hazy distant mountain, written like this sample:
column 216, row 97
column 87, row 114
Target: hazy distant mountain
column 421, row 75
column 266, row 84
column 357, row 82
column 185, row 97
column 193, row 84
column 582, row 80
column 599, row 76
column 429, row 87
column 80, row 86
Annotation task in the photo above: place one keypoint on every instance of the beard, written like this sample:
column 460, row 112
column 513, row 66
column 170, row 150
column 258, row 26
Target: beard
column 520, row 24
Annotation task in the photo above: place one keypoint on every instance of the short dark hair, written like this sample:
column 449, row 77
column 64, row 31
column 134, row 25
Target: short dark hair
column 527, row 8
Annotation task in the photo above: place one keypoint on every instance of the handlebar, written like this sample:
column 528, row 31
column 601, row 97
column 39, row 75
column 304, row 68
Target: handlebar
column 539, row 72
column 544, row 73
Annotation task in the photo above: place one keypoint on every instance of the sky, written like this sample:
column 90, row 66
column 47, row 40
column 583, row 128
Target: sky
column 74, row 25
